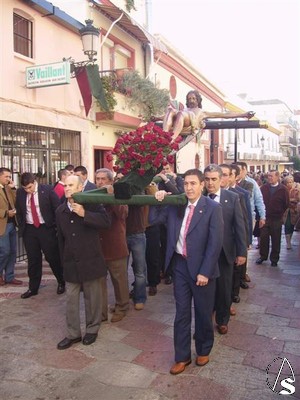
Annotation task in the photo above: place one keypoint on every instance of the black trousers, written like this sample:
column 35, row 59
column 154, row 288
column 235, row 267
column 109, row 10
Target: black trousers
column 153, row 258
column 223, row 291
column 272, row 228
column 239, row 275
column 37, row 241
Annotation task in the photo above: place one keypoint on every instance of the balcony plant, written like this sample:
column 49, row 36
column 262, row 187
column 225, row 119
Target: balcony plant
column 142, row 93
column 108, row 85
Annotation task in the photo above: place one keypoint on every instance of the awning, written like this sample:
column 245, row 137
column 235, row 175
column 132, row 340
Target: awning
column 130, row 26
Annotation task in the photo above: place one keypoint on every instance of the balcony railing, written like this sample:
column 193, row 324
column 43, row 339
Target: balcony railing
column 287, row 140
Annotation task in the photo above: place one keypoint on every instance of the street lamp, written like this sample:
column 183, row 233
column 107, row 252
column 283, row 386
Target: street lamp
column 90, row 38
column 262, row 141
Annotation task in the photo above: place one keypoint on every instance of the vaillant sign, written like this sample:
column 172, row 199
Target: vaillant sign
column 48, row 75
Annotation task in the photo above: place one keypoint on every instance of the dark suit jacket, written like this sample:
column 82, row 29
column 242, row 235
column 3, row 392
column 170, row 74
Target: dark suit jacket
column 234, row 241
column 48, row 201
column 247, row 186
column 204, row 238
column 89, row 186
column 246, row 209
column 79, row 242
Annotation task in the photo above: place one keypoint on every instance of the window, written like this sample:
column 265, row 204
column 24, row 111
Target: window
column 22, row 36
column 37, row 149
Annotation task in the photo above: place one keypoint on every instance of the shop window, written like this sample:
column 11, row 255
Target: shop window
column 23, row 36
column 40, row 150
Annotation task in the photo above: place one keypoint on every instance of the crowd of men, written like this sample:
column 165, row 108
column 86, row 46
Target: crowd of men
column 201, row 247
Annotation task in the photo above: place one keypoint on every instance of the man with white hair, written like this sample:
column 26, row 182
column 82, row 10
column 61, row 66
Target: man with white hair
column 84, row 265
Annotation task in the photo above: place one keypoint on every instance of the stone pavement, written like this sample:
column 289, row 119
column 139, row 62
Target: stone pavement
column 131, row 359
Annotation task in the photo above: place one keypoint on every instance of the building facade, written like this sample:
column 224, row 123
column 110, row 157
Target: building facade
column 44, row 128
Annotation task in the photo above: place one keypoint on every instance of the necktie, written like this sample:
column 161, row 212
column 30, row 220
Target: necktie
column 188, row 221
column 212, row 195
column 36, row 221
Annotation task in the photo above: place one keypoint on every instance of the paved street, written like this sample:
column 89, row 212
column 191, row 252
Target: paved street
column 131, row 359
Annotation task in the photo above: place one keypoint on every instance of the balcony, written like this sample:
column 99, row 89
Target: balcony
column 286, row 140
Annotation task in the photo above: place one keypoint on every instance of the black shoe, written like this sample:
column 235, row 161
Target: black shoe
column 89, row 338
column 236, row 299
column 244, row 285
column 259, row 260
column 152, row 290
column 274, row 264
column 66, row 343
column 168, row 280
column 61, row 288
column 28, row 294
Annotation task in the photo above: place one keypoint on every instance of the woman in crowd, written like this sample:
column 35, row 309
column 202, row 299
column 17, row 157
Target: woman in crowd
column 291, row 215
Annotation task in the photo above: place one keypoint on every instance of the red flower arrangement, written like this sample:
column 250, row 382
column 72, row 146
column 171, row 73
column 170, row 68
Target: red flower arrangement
column 148, row 147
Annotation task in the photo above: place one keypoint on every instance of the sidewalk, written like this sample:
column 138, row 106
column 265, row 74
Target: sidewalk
column 131, row 359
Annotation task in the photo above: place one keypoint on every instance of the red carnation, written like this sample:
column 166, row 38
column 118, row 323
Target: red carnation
column 109, row 157
column 174, row 146
column 170, row 159
column 141, row 172
column 152, row 147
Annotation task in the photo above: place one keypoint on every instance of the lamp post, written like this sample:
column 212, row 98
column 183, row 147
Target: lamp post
column 235, row 142
column 90, row 37
column 262, row 140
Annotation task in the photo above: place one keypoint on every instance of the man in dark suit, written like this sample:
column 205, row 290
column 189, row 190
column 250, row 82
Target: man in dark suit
column 228, row 182
column 82, row 172
column 36, row 205
column 170, row 182
column 194, row 241
column 234, row 249
column 241, row 276
column 84, row 265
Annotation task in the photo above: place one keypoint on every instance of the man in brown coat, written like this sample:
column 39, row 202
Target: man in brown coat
column 84, row 265
column 8, row 236
column 115, row 251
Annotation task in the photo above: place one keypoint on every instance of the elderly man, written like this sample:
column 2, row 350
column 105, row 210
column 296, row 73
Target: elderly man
column 84, row 265
column 115, row 256
column 276, row 199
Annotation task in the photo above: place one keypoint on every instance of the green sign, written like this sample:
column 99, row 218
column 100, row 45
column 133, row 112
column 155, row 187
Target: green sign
column 48, row 75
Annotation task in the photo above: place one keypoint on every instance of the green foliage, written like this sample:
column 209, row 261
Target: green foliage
column 108, row 88
column 129, row 4
column 142, row 92
column 296, row 161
